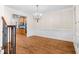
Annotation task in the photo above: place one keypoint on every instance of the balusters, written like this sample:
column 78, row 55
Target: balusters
column 12, row 39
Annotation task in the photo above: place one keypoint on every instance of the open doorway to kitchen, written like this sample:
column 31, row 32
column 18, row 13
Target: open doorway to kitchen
column 22, row 25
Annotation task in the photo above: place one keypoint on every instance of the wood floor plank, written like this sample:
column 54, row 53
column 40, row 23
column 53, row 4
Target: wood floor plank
column 42, row 45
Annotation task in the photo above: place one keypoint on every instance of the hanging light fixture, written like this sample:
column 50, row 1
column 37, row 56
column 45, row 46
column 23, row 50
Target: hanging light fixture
column 37, row 15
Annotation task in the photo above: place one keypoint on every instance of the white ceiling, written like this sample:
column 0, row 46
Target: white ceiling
column 42, row 8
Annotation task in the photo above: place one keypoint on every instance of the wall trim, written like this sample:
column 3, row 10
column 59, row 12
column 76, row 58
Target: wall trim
column 52, row 37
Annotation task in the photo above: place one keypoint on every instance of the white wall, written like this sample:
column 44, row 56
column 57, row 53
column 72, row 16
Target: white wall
column 29, row 26
column 76, row 39
column 55, row 24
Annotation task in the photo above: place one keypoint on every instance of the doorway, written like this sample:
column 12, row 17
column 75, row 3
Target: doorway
column 22, row 25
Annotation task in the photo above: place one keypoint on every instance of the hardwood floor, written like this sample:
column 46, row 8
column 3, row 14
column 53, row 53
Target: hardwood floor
column 41, row 45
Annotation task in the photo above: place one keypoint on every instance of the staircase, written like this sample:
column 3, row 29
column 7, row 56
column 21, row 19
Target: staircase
column 9, row 38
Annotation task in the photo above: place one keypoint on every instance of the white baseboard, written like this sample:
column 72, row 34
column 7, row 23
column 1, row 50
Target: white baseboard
column 1, row 51
column 70, row 40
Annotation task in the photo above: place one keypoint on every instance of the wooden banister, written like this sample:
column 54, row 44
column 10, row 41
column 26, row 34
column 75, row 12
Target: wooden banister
column 4, row 22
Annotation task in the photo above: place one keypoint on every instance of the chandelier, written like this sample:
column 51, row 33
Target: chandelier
column 37, row 15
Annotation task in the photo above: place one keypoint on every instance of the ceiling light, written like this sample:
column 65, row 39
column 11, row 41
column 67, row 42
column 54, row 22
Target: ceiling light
column 37, row 15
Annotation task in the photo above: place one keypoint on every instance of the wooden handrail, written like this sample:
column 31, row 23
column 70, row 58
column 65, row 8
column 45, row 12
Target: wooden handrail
column 4, row 20
column 4, row 24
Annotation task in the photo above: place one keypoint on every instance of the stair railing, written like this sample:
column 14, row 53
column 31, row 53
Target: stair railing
column 9, row 38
